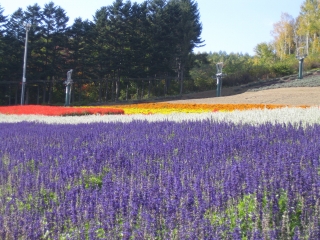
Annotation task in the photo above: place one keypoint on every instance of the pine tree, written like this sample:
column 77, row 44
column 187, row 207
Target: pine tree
column 33, row 16
column 3, row 20
column 138, row 27
column 53, row 29
column 101, row 43
column 14, row 37
column 119, row 41
column 54, row 55
column 81, row 40
column 188, row 31
column 163, row 20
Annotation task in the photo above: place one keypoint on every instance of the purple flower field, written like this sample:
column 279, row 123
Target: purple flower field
column 159, row 180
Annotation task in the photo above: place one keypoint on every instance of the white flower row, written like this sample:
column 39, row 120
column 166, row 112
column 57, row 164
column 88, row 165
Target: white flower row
column 283, row 115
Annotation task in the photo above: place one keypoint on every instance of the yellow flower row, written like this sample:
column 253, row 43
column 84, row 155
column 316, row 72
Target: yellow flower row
column 167, row 108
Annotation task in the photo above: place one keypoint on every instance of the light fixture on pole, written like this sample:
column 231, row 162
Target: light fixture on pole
column 68, row 84
column 219, row 76
column 23, row 87
column 301, row 55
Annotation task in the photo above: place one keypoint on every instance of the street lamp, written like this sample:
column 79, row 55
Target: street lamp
column 301, row 55
column 219, row 76
column 27, row 26
column 68, row 84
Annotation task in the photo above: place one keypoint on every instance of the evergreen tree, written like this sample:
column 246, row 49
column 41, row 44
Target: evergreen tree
column 101, row 45
column 53, row 29
column 54, row 55
column 188, row 31
column 14, row 37
column 81, row 40
column 3, row 20
column 119, row 41
column 34, row 17
column 163, row 19
column 138, row 28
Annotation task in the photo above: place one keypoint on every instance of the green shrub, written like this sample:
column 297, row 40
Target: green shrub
column 282, row 69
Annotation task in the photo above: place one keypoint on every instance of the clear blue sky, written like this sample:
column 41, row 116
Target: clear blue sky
column 228, row 25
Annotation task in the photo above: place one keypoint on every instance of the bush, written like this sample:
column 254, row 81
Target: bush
column 282, row 69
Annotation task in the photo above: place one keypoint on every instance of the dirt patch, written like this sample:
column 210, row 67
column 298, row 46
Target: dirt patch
column 287, row 90
column 288, row 96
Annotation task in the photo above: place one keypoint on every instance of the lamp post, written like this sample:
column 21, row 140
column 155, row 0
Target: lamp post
column 219, row 76
column 68, row 84
column 27, row 26
column 301, row 55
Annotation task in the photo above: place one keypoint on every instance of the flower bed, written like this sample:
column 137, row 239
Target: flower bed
column 57, row 111
column 142, row 108
column 303, row 116
column 167, row 108
column 251, row 174
column 159, row 180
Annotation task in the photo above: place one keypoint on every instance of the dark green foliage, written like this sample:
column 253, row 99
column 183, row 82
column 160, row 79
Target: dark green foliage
column 14, row 34
column 282, row 69
column 3, row 20
column 125, row 40
column 155, row 39
column 81, row 37
column 53, row 42
column 202, row 71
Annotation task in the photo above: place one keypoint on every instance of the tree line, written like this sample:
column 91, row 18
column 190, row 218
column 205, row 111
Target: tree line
column 154, row 39
column 124, row 40
column 291, row 36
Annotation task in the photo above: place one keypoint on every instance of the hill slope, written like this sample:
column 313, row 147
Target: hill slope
column 287, row 90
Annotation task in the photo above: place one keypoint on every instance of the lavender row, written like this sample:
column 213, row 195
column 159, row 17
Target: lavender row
column 160, row 180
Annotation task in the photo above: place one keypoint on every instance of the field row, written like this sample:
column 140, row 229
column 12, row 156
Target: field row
column 305, row 116
column 142, row 108
column 251, row 174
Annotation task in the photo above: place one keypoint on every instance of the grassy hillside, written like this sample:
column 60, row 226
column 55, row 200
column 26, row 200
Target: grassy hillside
column 311, row 79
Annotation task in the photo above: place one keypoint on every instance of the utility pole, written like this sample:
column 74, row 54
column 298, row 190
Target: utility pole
column 23, row 87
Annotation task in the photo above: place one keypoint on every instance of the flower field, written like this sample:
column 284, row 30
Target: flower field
column 168, row 108
column 233, row 173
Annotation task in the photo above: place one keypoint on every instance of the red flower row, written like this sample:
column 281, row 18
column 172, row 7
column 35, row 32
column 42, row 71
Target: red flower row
column 57, row 111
